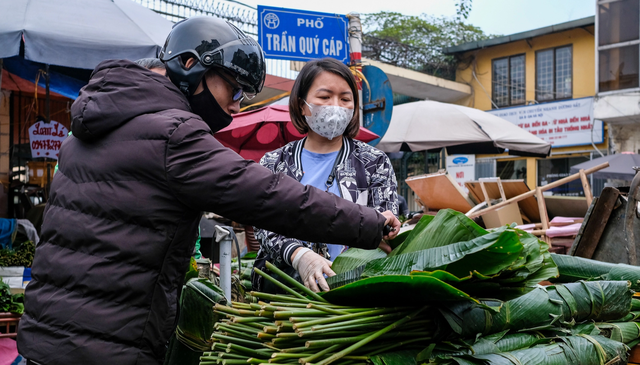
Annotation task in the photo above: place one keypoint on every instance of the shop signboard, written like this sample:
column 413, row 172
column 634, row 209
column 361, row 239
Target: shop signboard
column 561, row 123
column 46, row 138
column 462, row 168
column 300, row 35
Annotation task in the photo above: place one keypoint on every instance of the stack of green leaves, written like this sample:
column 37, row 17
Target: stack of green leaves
column 574, row 268
column 509, row 341
column 579, row 350
column 544, row 308
column 295, row 329
column 445, row 258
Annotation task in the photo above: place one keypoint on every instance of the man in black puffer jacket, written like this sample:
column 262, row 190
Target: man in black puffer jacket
column 141, row 166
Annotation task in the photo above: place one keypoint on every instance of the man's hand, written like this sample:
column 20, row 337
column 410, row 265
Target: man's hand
column 312, row 268
column 393, row 222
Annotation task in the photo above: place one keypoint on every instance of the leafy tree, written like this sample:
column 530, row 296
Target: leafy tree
column 416, row 41
column 464, row 8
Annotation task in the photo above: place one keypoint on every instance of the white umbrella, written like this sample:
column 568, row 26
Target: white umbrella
column 428, row 125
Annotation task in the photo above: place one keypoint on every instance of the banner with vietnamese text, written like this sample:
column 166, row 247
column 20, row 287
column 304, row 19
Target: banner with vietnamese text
column 561, row 123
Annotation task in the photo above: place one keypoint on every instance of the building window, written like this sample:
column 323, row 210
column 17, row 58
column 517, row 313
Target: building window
column 508, row 81
column 618, row 42
column 554, row 74
column 618, row 68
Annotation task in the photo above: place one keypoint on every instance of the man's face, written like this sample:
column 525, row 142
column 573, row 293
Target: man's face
column 223, row 91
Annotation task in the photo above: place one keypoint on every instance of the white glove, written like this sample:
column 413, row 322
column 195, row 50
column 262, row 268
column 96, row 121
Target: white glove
column 312, row 268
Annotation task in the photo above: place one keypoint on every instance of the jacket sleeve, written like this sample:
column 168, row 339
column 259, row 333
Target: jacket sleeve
column 383, row 187
column 278, row 248
column 206, row 176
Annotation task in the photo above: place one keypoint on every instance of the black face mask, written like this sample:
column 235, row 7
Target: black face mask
column 206, row 106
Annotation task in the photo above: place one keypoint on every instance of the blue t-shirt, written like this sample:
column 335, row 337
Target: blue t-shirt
column 317, row 167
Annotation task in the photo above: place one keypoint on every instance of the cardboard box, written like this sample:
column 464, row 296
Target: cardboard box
column 506, row 215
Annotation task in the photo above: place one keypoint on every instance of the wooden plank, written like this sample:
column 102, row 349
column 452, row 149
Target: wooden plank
column 487, row 198
column 585, row 222
column 586, row 187
column 595, row 224
column 512, row 188
column 544, row 218
column 566, row 206
column 440, row 191
column 634, row 355
column 544, row 188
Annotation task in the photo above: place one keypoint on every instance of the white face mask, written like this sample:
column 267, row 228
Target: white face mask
column 329, row 121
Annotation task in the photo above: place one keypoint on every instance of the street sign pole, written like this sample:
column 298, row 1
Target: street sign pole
column 355, row 42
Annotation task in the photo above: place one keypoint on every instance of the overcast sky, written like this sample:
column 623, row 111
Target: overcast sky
column 492, row 16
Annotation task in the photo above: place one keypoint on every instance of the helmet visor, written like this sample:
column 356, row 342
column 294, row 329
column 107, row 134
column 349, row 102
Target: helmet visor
column 244, row 58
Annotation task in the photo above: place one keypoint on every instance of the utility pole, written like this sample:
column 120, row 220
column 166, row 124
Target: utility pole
column 355, row 42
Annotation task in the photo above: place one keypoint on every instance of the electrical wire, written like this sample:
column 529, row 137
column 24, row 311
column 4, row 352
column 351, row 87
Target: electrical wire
column 473, row 72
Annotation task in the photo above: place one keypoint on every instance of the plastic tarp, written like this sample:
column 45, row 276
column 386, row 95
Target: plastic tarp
column 620, row 166
column 80, row 33
column 58, row 83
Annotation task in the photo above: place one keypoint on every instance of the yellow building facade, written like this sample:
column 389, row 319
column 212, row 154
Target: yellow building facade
column 530, row 71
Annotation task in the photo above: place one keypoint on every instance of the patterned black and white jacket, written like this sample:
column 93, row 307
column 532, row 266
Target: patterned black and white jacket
column 364, row 174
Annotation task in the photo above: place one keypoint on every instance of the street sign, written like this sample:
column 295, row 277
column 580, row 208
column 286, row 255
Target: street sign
column 299, row 35
column 377, row 101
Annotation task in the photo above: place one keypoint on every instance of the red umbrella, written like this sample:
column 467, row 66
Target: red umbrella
column 256, row 132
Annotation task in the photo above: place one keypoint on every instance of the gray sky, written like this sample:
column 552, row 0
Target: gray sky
column 492, row 16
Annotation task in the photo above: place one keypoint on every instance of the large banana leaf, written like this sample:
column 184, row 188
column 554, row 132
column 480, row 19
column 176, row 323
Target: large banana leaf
column 574, row 268
column 398, row 291
column 446, row 228
column 488, row 255
column 571, row 350
column 424, row 221
column 354, row 258
column 543, row 308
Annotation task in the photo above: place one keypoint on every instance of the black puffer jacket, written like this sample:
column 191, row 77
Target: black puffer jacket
column 123, row 213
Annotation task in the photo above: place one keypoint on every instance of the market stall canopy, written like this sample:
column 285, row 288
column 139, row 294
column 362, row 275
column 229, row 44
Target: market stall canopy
column 620, row 166
column 12, row 82
column 80, row 34
column 430, row 125
column 256, row 132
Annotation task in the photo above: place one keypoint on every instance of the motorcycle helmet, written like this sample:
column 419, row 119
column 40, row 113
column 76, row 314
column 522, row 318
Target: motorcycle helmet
column 214, row 43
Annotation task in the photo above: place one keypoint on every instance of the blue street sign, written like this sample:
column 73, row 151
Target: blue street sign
column 299, row 35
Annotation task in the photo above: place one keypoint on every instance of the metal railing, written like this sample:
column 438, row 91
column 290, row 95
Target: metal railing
column 243, row 17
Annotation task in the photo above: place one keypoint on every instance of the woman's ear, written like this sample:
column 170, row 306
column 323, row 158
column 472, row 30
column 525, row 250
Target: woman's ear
column 304, row 109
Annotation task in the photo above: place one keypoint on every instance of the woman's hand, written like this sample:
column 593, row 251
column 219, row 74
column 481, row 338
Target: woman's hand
column 312, row 268
column 393, row 222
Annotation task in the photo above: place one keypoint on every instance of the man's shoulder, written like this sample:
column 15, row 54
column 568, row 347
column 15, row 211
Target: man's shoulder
column 169, row 120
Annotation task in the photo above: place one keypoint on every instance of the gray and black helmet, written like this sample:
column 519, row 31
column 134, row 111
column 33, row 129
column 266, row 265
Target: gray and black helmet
column 214, row 43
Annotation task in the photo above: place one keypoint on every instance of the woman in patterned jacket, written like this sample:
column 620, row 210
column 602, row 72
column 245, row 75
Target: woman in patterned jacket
column 324, row 104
